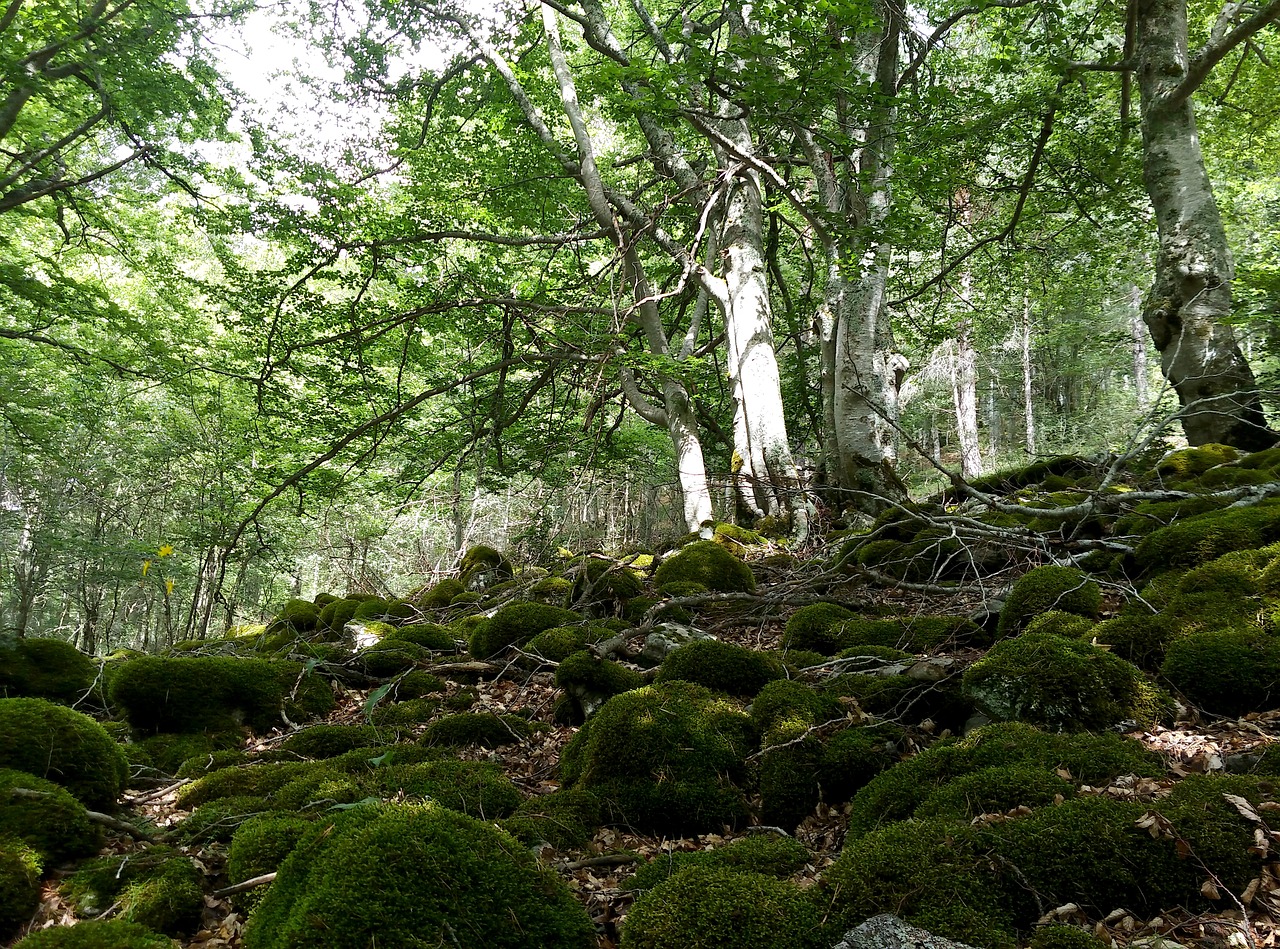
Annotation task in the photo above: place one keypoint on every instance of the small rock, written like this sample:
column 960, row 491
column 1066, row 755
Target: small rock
column 889, row 932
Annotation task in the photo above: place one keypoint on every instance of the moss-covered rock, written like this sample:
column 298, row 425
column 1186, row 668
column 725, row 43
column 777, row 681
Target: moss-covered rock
column 219, row 820
column 388, row 657
column 1062, row 685
column 1204, row 537
column 415, row 685
column 96, row 934
column 431, row 636
column 46, row 669
column 998, row 789
column 1140, row 638
column 168, row 752
column 392, row 715
column 719, row 908
column 560, row 642
column 589, row 681
column 476, row 728
column 257, row 779
column 415, row 875
column 515, row 625
column 602, row 586
column 1058, row 623
column 63, row 746
column 784, row 708
column 758, row 853
column 52, row 822
column 724, row 667
column 158, row 888
column 335, row 616
column 199, row 765
column 296, row 616
column 921, row 633
column 441, row 595
column 708, row 563
column 329, row 741
column 562, row 819
column 666, row 757
column 1065, row 589
column 477, row 788
column 214, row 693
column 483, row 567
column 261, row 844
column 20, row 868
column 1226, row 671
column 1187, row 464
column 816, row 627
column 1062, row 936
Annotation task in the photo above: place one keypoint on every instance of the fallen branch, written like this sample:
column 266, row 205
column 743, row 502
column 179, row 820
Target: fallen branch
column 605, row 860
column 106, row 820
column 250, row 884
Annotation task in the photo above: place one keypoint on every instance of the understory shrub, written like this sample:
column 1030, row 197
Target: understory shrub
column 404, row 875
column 63, row 746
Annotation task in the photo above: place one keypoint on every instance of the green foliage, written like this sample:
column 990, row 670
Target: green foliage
column 724, row 667
column 1226, row 671
column 515, row 625
column 1062, row 684
column 63, row 746
column 563, row 819
column 54, row 824
column 758, row 853
column 20, row 868
column 666, row 757
column 816, row 627
column 45, row 669
column 476, row 728
column 421, row 874
column 158, row 888
column 213, row 693
column 1038, row 591
column 96, row 934
column 720, row 908
column 1062, row 936
column 708, row 563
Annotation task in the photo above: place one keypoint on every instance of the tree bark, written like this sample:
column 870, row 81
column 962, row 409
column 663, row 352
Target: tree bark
column 1028, row 403
column 1190, row 300
column 964, row 396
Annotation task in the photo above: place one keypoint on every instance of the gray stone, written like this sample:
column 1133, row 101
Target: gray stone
column 889, row 932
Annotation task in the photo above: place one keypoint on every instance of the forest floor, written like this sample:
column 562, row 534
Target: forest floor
column 596, row 873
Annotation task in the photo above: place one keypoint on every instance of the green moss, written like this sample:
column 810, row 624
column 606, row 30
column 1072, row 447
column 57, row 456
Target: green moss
column 477, row 788
column 157, row 888
column 557, row 644
column 376, row 609
column 784, row 700
column 1226, row 671
column 329, row 741
column 54, row 824
column 389, row 657
column 462, row 700
column 666, row 757
column 218, row 820
column 1216, row 834
column 1058, row 623
column 904, row 699
column 46, row 669
column 1204, row 537
column 96, row 934
column 431, row 636
column 588, row 681
column 515, row 625
column 403, row 714
column 708, row 563
column 168, row 752
column 415, row 875
column 335, row 616
column 212, row 693
column 935, row 874
column 1089, row 759
column 199, row 765
column 442, row 594
column 254, row 779
column 555, row 591
column 1038, row 591
column 1062, row 936
column 476, row 728
column 915, row 634
column 816, row 627
column 20, row 868
column 724, row 667
column 296, row 616
column 997, row 789
column 416, row 684
column 1140, row 639
column 1062, row 685
column 63, row 746
column 604, row 585
column 853, row 756
column 719, row 908
column 1189, row 463
column 261, row 844
column 563, row 819
column 768, row 854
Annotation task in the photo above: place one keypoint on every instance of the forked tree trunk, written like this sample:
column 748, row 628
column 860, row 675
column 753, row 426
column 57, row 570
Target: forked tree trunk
column 1190, row 302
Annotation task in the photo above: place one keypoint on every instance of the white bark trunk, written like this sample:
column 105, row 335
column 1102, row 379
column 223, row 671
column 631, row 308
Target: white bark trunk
column 1028, row 404
column 964, row 395
column 1138, row 334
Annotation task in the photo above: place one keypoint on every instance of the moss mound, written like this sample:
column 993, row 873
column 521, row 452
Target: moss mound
column 45, row 669
column 1065, row 589
column 214, row 693
column 329, row 741
column 719, row 908
column 1061, row 936
column 997, row 790
column 589, row 681
column 262, row 843
column 515, row 625
column 296, row 616
column 96, row 934
column 1062, row 685
column 563, row 819
column 158, row 888
column 912, row 633
column 603, row 585
column 560, row 642
column 1204, row 537
column 476, row 728
column 1226, row 671
column 19, row 885
column 708, row 563
column 760, row 853
column 54, row 824
column 168, row 752
column 218, row 820
column 63, row 746
column 441, row 595
column 482, row 567
column 1139, row 638
column 389, row 657
column 667, row 757
column 816, row 628
column 415, row 875
column 431, row 636
column 724, row 667
column 475, row 788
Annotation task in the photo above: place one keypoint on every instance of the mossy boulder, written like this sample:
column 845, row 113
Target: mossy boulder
column 916, row 634
column 669, row 757
column 262, row 843
column 816, row 627
column 515, row 625
column 477, row 788
column 603, row 586
column 998, row 789
column 1065, row 589
column 1204, row 537
column 589, row 681
column 441, row 595
column 1062, row 684
column 20, row 868
column 389, row 657
column 168, row 752
column 219, row 820
column 50, row 822
column 708, row 563
column 768, row 854
column 431, row 636
column 562, row 819
column 406, row 713
column 64, row 746
column 560, row 642
column 214, row 693
column 46, row 669
column 258, row 779
column 415, row 685
column 1062, row 936
column 1140, row 638
column 724, row 667
column 720, row 908
column 329, row 741
column 296, row 616
column 96, row 934
column 476, row 728
column 1226, row 671
column 1188, row 464
column 335, row 616
column 483, row 567
column 158, row 888
column 406, row 875
column 784, row 708
column 1058, row 623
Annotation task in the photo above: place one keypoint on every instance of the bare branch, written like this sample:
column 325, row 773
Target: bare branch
column 1220, row 43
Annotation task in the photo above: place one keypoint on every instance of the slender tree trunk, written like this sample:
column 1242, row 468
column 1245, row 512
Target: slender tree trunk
column 964, row 397
column 1028, row 404
column 1190, row 300
column 1138, row 335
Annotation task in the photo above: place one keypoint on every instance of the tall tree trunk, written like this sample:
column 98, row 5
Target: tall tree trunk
column 1190, row 300
column 1028, row 404
column 1138, row 335
column 964, row 397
